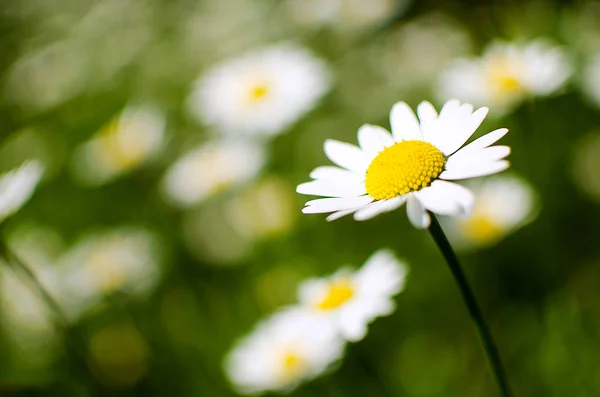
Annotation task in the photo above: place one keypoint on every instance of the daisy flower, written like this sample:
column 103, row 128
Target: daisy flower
column 504, row 204
column 413, row 165
column 261, row 92
column 506, row 74
column 125, row 143
column 210, row 169
column 125, row 259
column 288, row 348
column 351, row 300
column 17, row 187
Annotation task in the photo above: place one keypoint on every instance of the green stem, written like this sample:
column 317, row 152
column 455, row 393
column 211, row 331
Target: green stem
column 13, row 260
column 469, row 297
column 74, row 343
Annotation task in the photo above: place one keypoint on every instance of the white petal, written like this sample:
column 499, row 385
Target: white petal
column 405, row 125
column 464, row 131
column 449, row 109
column 427, row 116
column 416, row 213
column 455, row 126
column 332, row 188
column 462, row 160
column 446, row 198
column 483, row 141
column 353, row 328
column 486, row 168
column 373, row 139
column 346, row 155
column 340, row 214
column 378, row 207
column 329, row 172
column 435, row 199
column 335, row 204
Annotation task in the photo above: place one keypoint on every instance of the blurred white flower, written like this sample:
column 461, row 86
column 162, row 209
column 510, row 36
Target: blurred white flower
column 212, row 168
column 504, row 203
column 413, row 165
column 125, row 143
column 345, row 15
column 286, row 349
column 261, row 92
column 127, row 260
column 506, row 74
column 350, row 300
column 590, row 81
column 17, row 187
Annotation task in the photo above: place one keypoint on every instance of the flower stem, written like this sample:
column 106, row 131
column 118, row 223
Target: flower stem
column 469, row 297
column 13, row 260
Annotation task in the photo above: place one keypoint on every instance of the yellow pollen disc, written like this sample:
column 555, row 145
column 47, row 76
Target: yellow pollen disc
column 482, row 229
column 502, row 77
column 406, row 166
column 258, row 92
column 292, row 365
column 339, row 291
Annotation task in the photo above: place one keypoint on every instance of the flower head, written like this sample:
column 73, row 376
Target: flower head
column 288, row 348
column 504, row 204
column 17, row 186
column 351, row 300
column 127, row 259
column 211, row 168
column 413, row 165
column 506, row 74
column 260, row 93
column 123, row 144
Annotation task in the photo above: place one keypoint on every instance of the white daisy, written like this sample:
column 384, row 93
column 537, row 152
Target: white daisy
column 211, row 168
column 504, row 204
column 506, row 74
column 412, row 165
column 125, row 143
column 351, row 300
column 125, row 260
column 344, row 15
column 17, row 187
column 261, row 92
column 286, row 349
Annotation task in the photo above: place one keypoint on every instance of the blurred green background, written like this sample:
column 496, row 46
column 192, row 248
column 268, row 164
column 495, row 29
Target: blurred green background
column 70, row 67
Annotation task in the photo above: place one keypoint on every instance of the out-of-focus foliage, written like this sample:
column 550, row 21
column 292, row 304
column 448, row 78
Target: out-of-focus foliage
column 157, row 286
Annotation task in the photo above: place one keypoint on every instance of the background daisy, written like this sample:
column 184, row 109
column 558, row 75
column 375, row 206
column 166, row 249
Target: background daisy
column 261, row 92
column 212, row 168
column 350, row 300
column 504, row 203
column 506, row 74
column 122, row 145
column 288, row 348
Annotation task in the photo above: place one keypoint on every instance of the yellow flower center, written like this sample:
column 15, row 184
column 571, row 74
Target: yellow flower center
column 482, row 229
column 258, row 92
column 293, row 365
column 501, row 75
column 406, row 166
column 338, row 293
